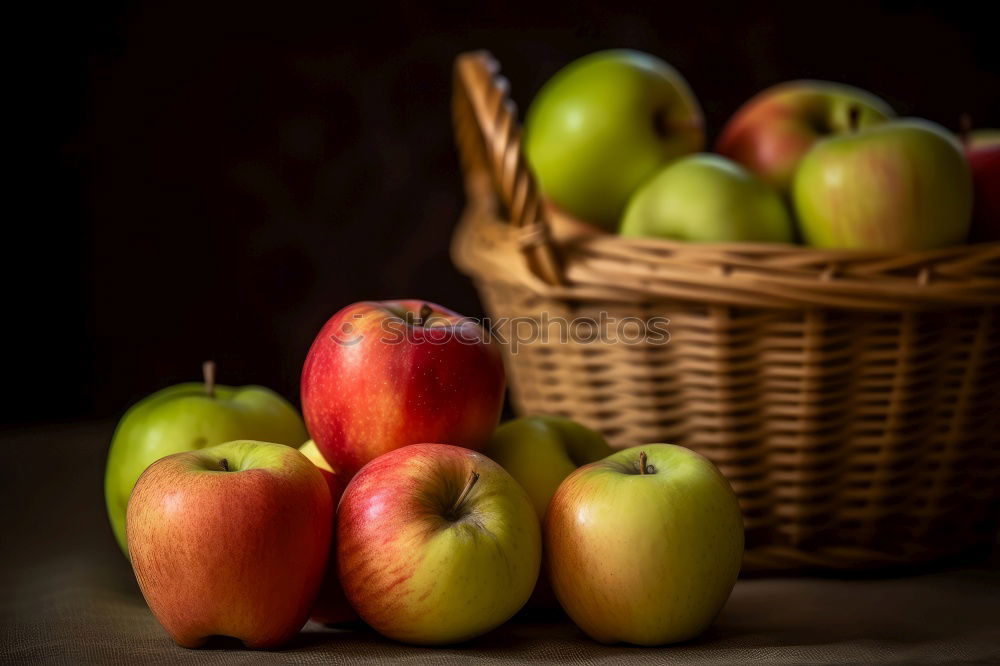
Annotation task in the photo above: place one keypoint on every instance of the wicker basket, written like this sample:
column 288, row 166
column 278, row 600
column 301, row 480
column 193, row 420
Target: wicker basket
column 852, row 398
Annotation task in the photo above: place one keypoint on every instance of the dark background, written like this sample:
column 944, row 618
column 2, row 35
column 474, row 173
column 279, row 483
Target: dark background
column 214, row 181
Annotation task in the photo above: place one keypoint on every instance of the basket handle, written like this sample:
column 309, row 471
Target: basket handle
column 489, row 143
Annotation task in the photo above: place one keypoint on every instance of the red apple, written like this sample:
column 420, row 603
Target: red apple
column 231, row 540
column 383, row 375
column 331, row 606
column 982, row 149
column 436, row 544
column 770, row 133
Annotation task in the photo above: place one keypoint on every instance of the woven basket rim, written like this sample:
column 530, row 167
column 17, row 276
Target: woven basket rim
column 508, row 234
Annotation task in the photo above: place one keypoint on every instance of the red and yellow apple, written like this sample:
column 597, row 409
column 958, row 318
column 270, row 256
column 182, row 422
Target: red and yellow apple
column 331, row 606
column 383, row 375
column 644, row 546
column 436, row 544
column 231, row 540
column 770, row 133
column 900, row 185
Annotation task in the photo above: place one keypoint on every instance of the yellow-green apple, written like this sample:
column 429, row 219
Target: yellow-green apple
column 231, row 540
column 436, row 544
column 900, row 185
column 770, row 133
column 707, row 198
column 387, row 374
column 982, row 149
column 331, row 606
column 605, row 123
column 644, row 546
column 186, row 417
column 541, row 451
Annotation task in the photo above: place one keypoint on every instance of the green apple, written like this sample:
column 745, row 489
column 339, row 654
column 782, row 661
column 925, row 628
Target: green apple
column 231, row 540
column 644, row 546
column 541, row 451
column 186, row 417
column 771, row 132
column 602, row 125
column 707, row 198
column 901, row 185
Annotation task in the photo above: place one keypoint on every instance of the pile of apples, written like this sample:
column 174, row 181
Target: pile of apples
column 613, row 140
column 409, row 509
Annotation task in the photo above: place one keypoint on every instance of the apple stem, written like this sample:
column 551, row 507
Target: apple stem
column 425, row 312
column 473, row 477
column 224, row 464
column 208, row 373
column 642, row 462
column 854, row 117
column 964, row 128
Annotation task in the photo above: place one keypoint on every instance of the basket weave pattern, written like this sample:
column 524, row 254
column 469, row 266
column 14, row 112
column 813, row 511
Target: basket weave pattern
column 852, row 398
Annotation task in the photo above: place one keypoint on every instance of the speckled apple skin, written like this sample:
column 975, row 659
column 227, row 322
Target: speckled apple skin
column 415, row 574
column 372, row 383
column 238, row 553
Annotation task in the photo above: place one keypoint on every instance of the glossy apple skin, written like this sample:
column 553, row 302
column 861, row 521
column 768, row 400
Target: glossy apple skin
column 901, row 185
column 983, row 153
column 331, row 606
column 605, row 123
column 774, row 130
column 707, row 199
column 238, row 553
column 417, row 573
column 185, row 418
column 363, row 395
column 644, row 559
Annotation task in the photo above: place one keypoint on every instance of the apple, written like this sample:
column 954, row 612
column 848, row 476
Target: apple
column 901, row 185
column 387, row 374
column 602, row 125
column 541, row 451
column 982, row 150
column 644, row 546
column 771, row 133
column 707, row 198
column 436, row 544
column 231, row 540
column 331, row 606
column 186, row 417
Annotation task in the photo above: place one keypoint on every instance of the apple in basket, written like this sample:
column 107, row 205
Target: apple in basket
column 899, row 185
column 770, row 133
column 605, row 123
column 707, row 198
column 644, row 546
column 436, row 544
column 231, row 540
column 381, row 375
column 982, row 149
column 186, row 417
